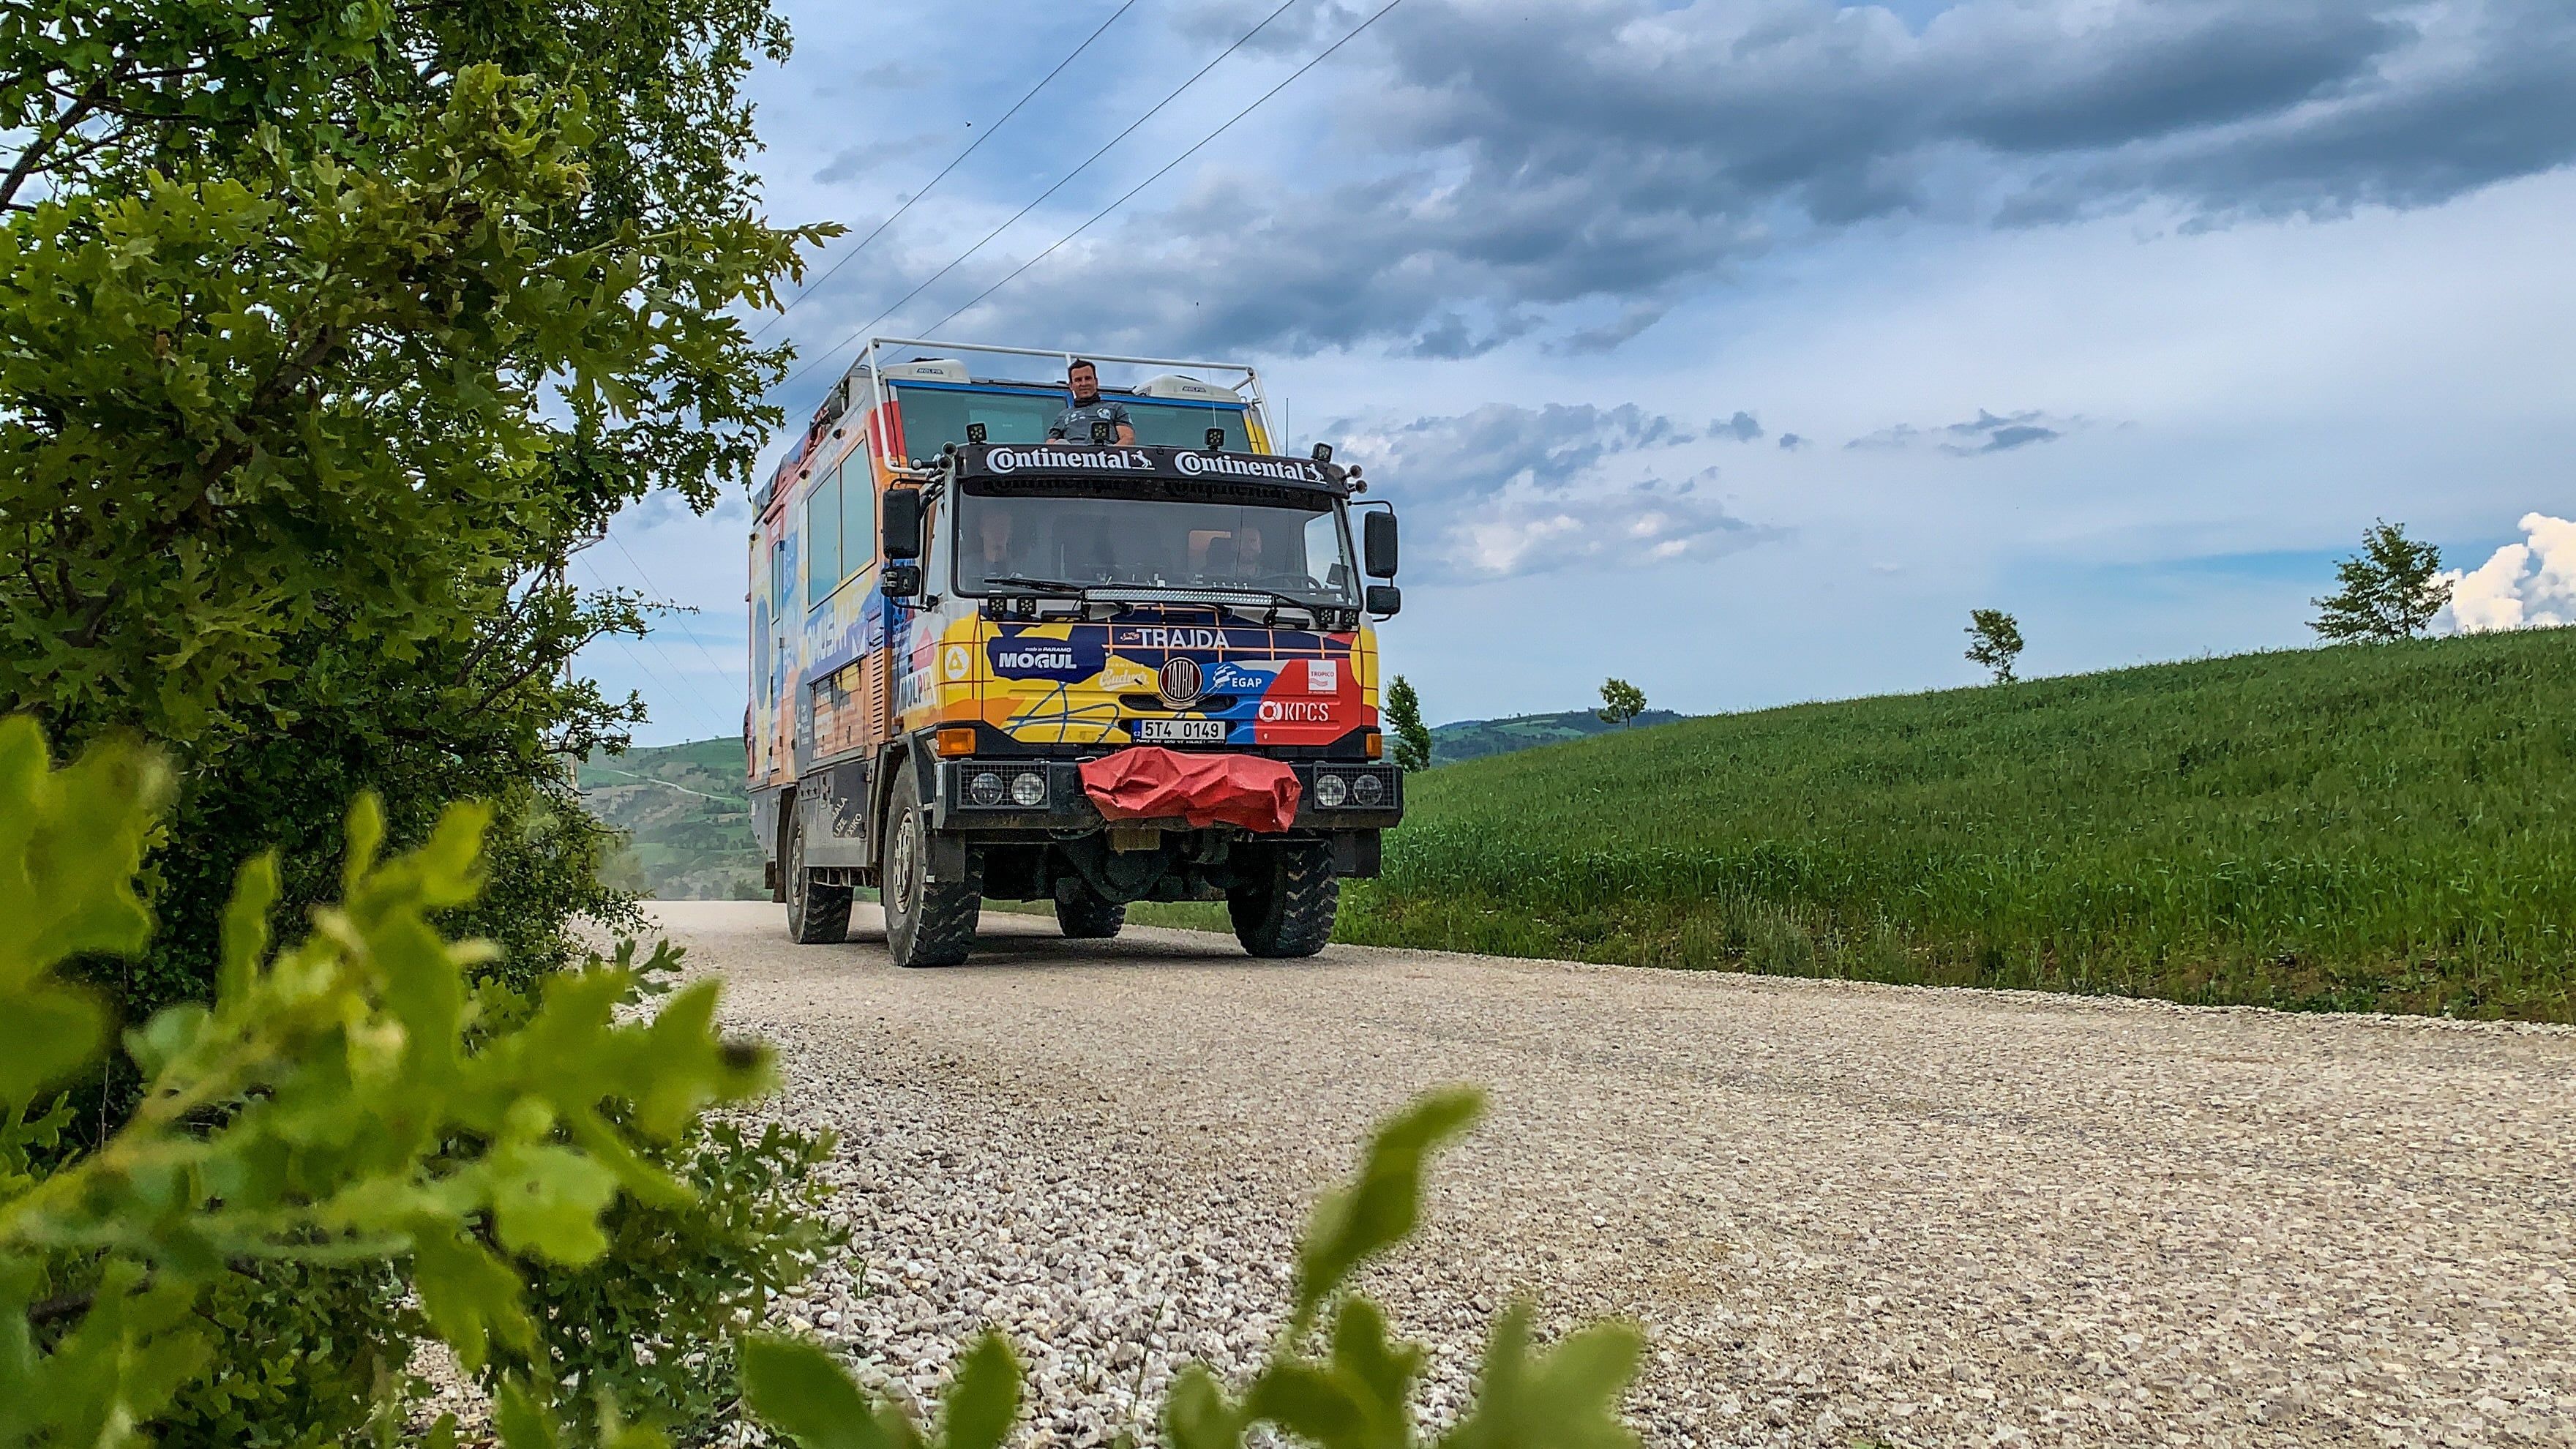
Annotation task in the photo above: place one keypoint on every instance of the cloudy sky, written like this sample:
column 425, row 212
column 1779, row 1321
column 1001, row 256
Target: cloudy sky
column 1740, row 348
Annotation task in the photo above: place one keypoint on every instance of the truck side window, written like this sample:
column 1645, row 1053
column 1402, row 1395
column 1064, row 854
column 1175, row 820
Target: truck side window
column 858, row 523
column 823, row 539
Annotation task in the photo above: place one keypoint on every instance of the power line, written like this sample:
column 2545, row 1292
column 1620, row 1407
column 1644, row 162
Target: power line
column 915, row 198
column 1168, row 166
column 1245, row 39
column 648, row 583
column 682, row 674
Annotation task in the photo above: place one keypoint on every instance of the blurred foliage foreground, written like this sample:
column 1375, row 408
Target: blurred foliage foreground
column 356, row 1099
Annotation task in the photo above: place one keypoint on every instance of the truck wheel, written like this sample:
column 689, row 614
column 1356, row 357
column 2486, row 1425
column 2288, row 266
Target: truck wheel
column 817, row 914
column 1286, row 908
column 1087, row 917
column 928, row 923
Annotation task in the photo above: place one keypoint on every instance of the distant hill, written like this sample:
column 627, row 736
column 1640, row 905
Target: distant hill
column 686, row 815
column 1472, row 739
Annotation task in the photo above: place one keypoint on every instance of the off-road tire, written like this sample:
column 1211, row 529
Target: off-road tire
column 927, row 923
column 817, row 914
column 1286, row 908
column 1088, row 917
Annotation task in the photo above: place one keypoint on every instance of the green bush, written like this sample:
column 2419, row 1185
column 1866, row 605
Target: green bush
column 336, row 1105
column 652, row 1322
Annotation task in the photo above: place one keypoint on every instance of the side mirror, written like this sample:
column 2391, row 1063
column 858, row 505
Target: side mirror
column 1385, row 600
column 900, row 514
column 903, row 581
column 1377, row 544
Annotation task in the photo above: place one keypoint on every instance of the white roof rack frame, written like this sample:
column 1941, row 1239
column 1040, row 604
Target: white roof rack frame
column 1249, row 389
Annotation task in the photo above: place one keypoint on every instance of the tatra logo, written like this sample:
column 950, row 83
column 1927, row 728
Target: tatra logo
column 1231, row 465
column 1180, row 682
column 1297, row 711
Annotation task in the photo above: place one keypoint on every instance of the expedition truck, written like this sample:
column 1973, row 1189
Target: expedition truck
column 957, row 626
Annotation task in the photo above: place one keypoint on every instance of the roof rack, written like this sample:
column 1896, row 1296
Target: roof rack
column 876, row 371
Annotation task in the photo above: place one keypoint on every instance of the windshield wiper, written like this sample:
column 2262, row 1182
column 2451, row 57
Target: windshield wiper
column 1025, row 582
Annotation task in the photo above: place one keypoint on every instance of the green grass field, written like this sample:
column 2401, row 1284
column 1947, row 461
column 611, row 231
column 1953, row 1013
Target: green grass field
column 2383, row 828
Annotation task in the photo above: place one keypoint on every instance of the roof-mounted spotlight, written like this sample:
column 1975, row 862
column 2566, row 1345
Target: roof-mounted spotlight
column 1104, row 432
column 1216, row 439
column 977, row 432
column 1323, row 452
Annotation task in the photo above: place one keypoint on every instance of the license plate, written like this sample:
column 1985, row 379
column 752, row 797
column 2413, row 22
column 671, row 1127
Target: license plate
column 1180, row 731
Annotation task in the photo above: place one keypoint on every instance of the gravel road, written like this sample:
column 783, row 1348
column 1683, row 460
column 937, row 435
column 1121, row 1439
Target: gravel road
column 1844, row 1214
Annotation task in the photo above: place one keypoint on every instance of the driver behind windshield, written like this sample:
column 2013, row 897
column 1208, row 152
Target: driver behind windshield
column 1073, row 425
column 993, row 528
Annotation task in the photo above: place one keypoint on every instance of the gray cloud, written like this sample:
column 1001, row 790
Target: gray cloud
column 1624, row 150
column 852, row 162
column 1481, row 453
column 1791, row 442
column 1741, row 427
column 1984, row 433
column 1505, row 491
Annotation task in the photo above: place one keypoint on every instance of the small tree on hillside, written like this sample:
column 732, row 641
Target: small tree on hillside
column 1404, row 720
column 1994, row 641
column 1620, row 702
column 2391, row 590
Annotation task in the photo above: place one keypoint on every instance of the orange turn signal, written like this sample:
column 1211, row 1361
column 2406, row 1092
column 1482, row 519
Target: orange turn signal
column 959, row 740
column 1375, row 742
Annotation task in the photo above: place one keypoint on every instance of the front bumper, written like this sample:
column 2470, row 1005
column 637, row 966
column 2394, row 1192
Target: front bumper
column 1064, row 807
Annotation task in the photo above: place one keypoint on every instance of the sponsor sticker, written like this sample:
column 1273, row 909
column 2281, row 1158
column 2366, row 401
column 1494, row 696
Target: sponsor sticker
column 1159, row 637
column 1227, row 677
column 1109, row 460
column 1024, row 656
column 955, row 665
column 1297, row 711
column 1323, row 676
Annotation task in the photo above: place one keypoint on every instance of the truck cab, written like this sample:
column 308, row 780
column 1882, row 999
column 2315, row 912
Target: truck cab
column 958, row 622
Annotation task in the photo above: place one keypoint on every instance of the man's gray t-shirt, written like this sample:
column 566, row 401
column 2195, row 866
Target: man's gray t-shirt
column 1074, row 423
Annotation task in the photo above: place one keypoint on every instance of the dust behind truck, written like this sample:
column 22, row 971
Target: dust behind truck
column 990, row 665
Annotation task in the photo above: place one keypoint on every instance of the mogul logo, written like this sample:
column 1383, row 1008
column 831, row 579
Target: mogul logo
column 1017, row 660
column 1024, row 657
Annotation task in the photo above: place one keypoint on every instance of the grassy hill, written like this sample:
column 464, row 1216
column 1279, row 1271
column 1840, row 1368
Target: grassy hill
column 686, row 817
column 2366, row 827
column 683, row 809
column 1473, row 739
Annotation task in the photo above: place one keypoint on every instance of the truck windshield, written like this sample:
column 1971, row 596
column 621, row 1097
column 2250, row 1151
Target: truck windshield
column 1084, row 536
column 936, row 415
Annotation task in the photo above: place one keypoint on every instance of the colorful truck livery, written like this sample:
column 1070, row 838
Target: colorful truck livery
column 951, row 614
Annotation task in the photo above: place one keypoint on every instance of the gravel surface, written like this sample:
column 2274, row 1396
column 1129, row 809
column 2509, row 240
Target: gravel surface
column 1845, row 1214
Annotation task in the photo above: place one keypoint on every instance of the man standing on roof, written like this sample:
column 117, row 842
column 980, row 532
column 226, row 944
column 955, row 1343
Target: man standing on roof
column 1073, row 425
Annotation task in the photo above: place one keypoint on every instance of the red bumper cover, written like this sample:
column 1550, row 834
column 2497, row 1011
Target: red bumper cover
column 1147, row 783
